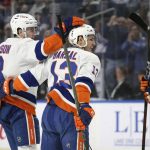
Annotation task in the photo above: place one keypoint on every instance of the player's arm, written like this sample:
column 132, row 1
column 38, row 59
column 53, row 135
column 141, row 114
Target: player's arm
column 84, row 84
column 32, row 78
column 88, row 72
column 52, row 43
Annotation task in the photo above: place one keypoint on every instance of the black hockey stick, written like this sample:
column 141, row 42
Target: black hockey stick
column 139, row 21
column 86, row 144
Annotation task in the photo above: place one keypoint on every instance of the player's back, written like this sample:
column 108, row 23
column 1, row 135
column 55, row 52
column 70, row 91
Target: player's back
column 84, row 65
column 14, row 56
column 17, row 56
column 79, row 60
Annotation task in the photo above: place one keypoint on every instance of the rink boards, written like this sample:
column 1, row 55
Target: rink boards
column 117, row 125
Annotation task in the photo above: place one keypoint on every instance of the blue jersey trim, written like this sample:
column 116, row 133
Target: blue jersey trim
column 38, row 52
column 29, row 79
column 65, row 93
column 85, row 80
column 26, row 95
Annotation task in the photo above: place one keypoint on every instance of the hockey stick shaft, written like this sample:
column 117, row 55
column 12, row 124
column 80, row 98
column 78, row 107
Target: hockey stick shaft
column 144, row 126
column 68, row 65
column 71, row 77
column 140, row 22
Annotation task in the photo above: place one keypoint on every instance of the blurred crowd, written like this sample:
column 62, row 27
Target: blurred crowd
column 121, row 44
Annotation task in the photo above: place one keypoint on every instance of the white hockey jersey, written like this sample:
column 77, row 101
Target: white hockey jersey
column 85, row 67
column 18, row 55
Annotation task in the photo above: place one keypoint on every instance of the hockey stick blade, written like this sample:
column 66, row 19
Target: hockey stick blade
column 139, row 21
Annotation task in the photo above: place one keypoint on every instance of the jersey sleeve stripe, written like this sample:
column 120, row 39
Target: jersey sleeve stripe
column 29, row 79
column 52, row 43
column 39, row 51
column 19, row 84
column 83, row 94
column 84, row 85
column 85, row 81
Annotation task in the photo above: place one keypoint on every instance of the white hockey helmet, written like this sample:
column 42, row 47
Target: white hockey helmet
column 84, row 31
column 23, row 21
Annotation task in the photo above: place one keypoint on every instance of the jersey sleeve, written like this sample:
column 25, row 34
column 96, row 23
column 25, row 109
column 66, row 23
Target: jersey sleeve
column 89, row 70
column 41, row 49
column 48, row 46
column 32, row 78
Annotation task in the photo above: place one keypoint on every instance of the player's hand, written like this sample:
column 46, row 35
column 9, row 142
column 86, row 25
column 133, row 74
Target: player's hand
column 86, row 114
column 68, row 24
column 79, row 124
column 144, row 84
column 8, row 86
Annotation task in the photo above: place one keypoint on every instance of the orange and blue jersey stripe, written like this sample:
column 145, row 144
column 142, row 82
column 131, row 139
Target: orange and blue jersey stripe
column 39, row 51
column 84, row 86
column 63, row 99
column 25, row 81
column 59, row 93
column 86, row 82
column 48, row 46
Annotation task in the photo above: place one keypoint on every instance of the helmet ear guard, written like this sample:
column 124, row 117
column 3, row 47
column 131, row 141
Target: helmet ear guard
column 83, row 31
column 22, row 21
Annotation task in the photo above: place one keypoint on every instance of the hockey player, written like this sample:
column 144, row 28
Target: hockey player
column 60, row 121
column 17, row 55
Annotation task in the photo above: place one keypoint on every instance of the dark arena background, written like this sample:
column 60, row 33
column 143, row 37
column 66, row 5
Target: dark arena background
column 122, row 48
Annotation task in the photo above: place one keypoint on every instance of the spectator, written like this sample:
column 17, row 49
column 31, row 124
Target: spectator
column 122, row 89
column 135, row 54
column 116, row 34
column 121, row 7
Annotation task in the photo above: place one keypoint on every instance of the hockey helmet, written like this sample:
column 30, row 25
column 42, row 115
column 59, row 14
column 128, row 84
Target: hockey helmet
column 83, row 31
column 23, row 21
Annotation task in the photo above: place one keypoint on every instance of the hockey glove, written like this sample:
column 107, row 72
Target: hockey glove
column 68, row 24
column 85, row 116
column 79, row 124
column 144, row 84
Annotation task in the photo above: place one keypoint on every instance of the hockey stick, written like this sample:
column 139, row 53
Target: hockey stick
column 71, row 77
column 139, row 21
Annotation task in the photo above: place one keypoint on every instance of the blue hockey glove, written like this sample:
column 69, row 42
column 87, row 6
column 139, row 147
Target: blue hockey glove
column 68, row 24
column 86, row 113
column 85, row 116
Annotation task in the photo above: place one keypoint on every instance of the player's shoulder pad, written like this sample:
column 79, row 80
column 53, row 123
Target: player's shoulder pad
column 95, row 60
column 91, row 58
